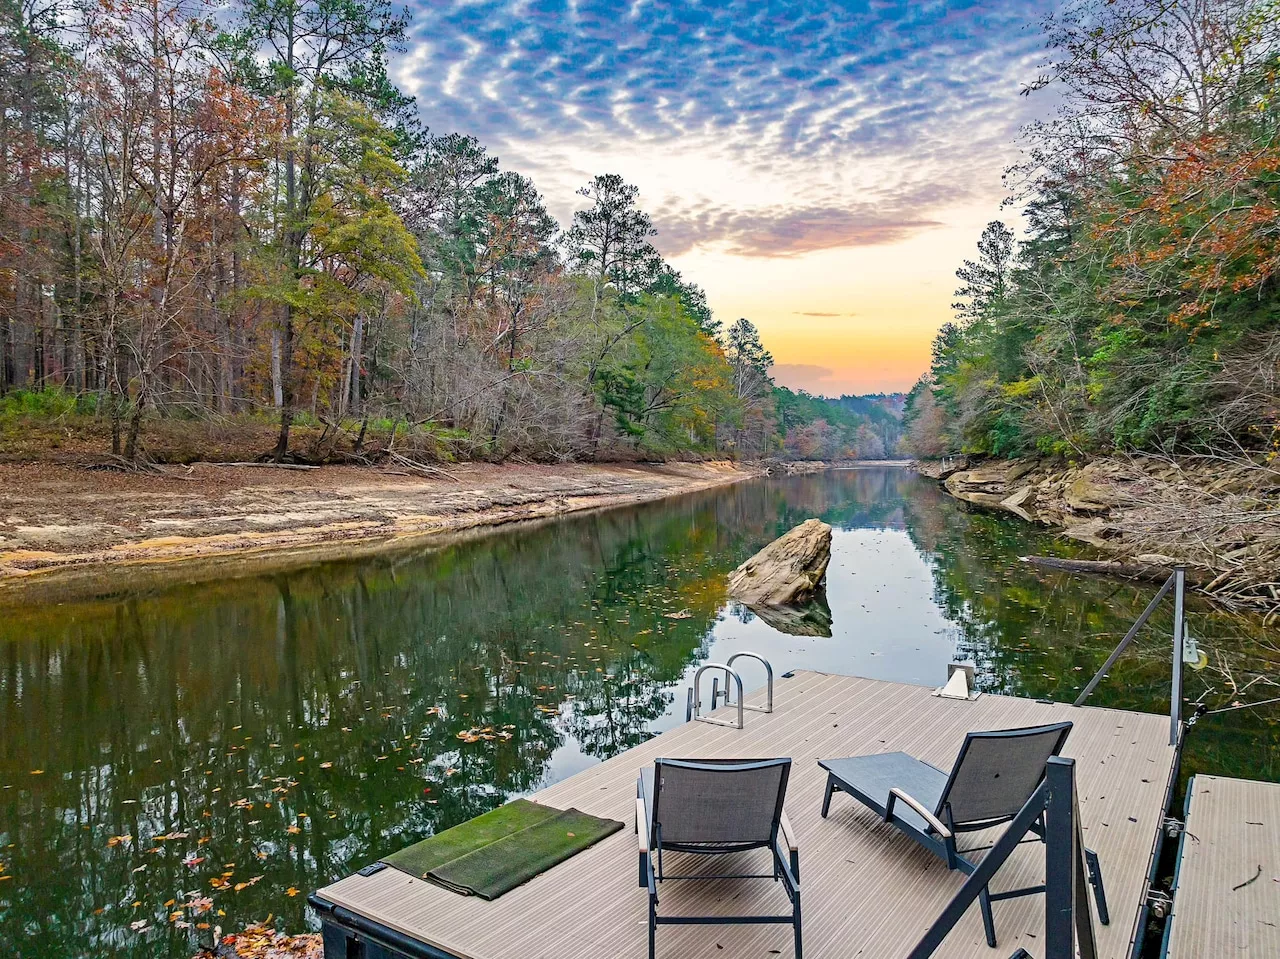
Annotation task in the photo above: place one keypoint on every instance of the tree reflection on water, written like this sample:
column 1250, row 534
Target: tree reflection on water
column 273, row 733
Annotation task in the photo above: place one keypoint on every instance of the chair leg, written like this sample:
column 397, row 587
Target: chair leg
column 653, row 928
column 826, row 800
column 795, row 912
column 988, row 920
column 1095, row 880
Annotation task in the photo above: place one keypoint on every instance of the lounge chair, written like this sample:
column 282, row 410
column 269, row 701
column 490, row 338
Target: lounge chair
column 712, row 807
column 991, row 780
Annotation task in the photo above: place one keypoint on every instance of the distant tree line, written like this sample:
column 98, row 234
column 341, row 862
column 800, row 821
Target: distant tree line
column 219, row 213
column 851, row 427
column 1141, row 312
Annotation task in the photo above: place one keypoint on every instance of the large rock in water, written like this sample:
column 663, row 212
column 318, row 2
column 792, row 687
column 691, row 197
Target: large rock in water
column 786, row 572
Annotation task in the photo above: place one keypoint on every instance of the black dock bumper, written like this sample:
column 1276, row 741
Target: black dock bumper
column 347, row 935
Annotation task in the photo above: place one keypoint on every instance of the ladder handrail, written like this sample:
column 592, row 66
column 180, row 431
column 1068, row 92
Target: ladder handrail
column 697, row 695
column 768, row 668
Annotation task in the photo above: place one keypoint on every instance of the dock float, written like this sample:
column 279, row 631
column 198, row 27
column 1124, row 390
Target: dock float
column 868, row 890
column 1227, row 885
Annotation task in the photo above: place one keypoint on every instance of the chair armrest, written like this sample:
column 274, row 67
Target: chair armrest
column 788, row 834
column 642, row 827
column 934, row 822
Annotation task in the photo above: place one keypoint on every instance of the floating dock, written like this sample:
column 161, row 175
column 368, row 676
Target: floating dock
column 867, row 890
column 1227, row 886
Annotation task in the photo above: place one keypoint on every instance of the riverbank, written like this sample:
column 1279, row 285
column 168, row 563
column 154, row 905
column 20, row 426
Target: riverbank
column 63, row 529
column 1219, row 518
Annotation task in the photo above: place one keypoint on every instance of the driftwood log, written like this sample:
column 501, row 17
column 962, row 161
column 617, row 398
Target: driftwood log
column 269, row 466
column 1146, row 572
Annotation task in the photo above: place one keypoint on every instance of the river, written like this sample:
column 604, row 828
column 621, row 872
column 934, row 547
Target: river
column 251, row 739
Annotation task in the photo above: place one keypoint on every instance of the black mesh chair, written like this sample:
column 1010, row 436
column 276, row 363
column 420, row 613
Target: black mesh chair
column 713, row 807
column 991, row 780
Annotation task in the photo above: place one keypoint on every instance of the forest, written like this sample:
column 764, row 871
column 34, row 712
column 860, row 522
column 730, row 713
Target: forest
column 232, row 218
column 849, row 427
column 1140, row 312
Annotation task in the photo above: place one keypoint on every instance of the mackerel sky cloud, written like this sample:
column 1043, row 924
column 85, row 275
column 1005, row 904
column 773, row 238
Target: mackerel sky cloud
column 802, row 161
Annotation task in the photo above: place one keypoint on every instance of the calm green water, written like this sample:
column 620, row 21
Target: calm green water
column 286, row 729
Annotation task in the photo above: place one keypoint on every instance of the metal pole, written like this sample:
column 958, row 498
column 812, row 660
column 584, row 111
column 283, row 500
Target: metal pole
column 1059, row 860
column 1179, row 637
column 1124, row 643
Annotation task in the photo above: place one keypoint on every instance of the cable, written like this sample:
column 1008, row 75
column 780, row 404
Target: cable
column 1227, row 709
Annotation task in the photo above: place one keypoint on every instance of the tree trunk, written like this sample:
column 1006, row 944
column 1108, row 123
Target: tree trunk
column 6, row 354
column 277, row 382
column 357, row 355
column 284, row 394
column 135, row 430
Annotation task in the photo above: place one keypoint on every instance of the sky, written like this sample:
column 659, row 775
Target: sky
column 820, row 169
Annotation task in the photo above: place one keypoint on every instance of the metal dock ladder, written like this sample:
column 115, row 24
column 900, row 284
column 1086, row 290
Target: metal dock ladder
column 693, row 708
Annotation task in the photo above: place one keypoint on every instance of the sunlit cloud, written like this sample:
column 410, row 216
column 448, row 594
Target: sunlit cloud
column 782, row 231
column 756, row 133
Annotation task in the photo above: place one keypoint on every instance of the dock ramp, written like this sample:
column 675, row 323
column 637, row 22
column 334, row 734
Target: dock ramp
column 1227, row 888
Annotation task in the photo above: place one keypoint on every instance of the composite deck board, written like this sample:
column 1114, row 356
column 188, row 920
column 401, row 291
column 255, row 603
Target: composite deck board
column 1227, row 901
column 866, row 889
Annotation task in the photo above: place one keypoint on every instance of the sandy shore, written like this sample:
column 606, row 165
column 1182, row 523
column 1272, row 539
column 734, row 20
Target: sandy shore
column 67, row 531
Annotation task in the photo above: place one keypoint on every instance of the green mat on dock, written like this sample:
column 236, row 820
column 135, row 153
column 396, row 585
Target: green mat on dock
column 496, row 852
